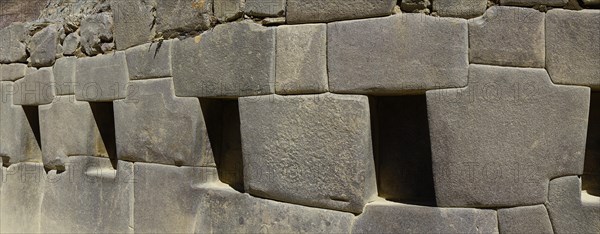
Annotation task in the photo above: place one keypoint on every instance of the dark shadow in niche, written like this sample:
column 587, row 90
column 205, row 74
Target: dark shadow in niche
column 33, row 117
column 591, row 172
column 222, row 118
column 402, row 149
column 105, row 120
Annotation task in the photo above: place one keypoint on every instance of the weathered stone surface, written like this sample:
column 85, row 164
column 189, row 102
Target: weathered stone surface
column 422, row 53
column 591, row 2
column 166, row 197
column 459, row 8
column 312, row 150
column 152, row 125
column 524, row 219
column 415, row 6
column 498, row 141
column 71, row 43
column 570, row 209
column 37, row 88
column 94, row 30
column 134, row 22
column 102, row 78
column 301, row 59
column 228, row 10
column 90, row 196
column 43, row 47
column 224, row 210
column 17, row 139
column 12, row 46
column 573, row 54
column 313, row 11
column 21, row 198
column 555, row 3
column 203, row 66
column 12, row 72
column 183, row 15
column 388, row 217
column 68, row 129
column 149, row 60
column 508, row 36
column 264, row 8
column 64, row 75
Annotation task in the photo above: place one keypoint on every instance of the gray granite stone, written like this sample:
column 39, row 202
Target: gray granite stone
column 21, row 198
column 497, row 142
column 71, row 43
column 133, row 22
column 524, row 219
column 313, row 11
column 459, row 8
column 301, row 59
column 94, row 30
column 265, row 8
column 42, row 47
column 554, row 3
column 152, row 125
column 101, row 78
column 228, row 10
column 12, row 72
column 12, row 43
column 508, row 36
column 150, row 60
column 203, row 66
column 570, row 209
column 312, row 150
column 415, row 6
column 573, row 54
column 64, row 75
column 37, row 88
column 421, row 53
column 183, row 15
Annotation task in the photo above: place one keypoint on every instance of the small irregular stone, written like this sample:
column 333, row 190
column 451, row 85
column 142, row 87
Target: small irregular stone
column 319, row 11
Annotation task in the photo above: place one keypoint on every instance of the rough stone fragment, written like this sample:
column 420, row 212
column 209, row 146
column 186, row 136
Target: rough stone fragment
column 71, row 43
column 421, row 53
column 460, row 8
column 37, row 88
column 312, row 150
column 89, row 197
column 134, row 22
column 12, row 46
column 183, row 15
column 314, row 11
column 21, row 198
column 388, row 217
column 228, row 10
column 498, row 141
column 301, row 59
column 13, row 71
column 166, row 197
column 203, row 66
column 265, row 8
column 508, row 36
column 101, row 78
column 152, row 125
column 68, row 128
column 573, row 54
column 64, row 75
column 94, row 30
column 43, row 47
column 524, row 219
column 149, row 60
column 17, row 135
column 554, row 3
column 415, row 6
column 570, row 209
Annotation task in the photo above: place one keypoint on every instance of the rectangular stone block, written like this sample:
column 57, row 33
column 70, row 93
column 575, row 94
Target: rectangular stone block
column 312, row 150
column 102, row 78
column 524, row 219
column 572, row 210
column 64, row 75
column 572, row 47
column 228, row 10
column 152, row 125
column 13, row 71
column 133, row 22
column 151, row 60
column 459, row 8
column 554, row 3
column 315, row 11
column 12, row 43
column 265, row 8
column 400, row 54
column 204, row 66
column 21, row 198
column 508, row 36
column 301, row 59
column 183, row 15
column 37, row 88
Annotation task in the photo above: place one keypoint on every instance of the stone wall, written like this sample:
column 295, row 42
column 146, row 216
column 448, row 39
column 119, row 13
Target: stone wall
column 312, row 116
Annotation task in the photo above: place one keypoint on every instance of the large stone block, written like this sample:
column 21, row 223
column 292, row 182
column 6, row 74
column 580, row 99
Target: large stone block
column 43, row 47
column 101, row 78
column 133, row 22
column 388, row 217
column 152, row 125
column 508, row 36
column 21, row 198
column 524, row 219
column 183, row 15
column 12, row 43
column 89, row 197
column 572, row 47
column 570, row 209
column 313, row 11
column 149, row 60
column 265, row 8
column 37, row 88
column 312, row 150
column 554, row 3
column 18, row 141
column 68, row 128
column 301, row 59
column 204, row 66
column 13, row 71
column 420, row 53
column 459, row 8
column 498, row 141
column 64, row 75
